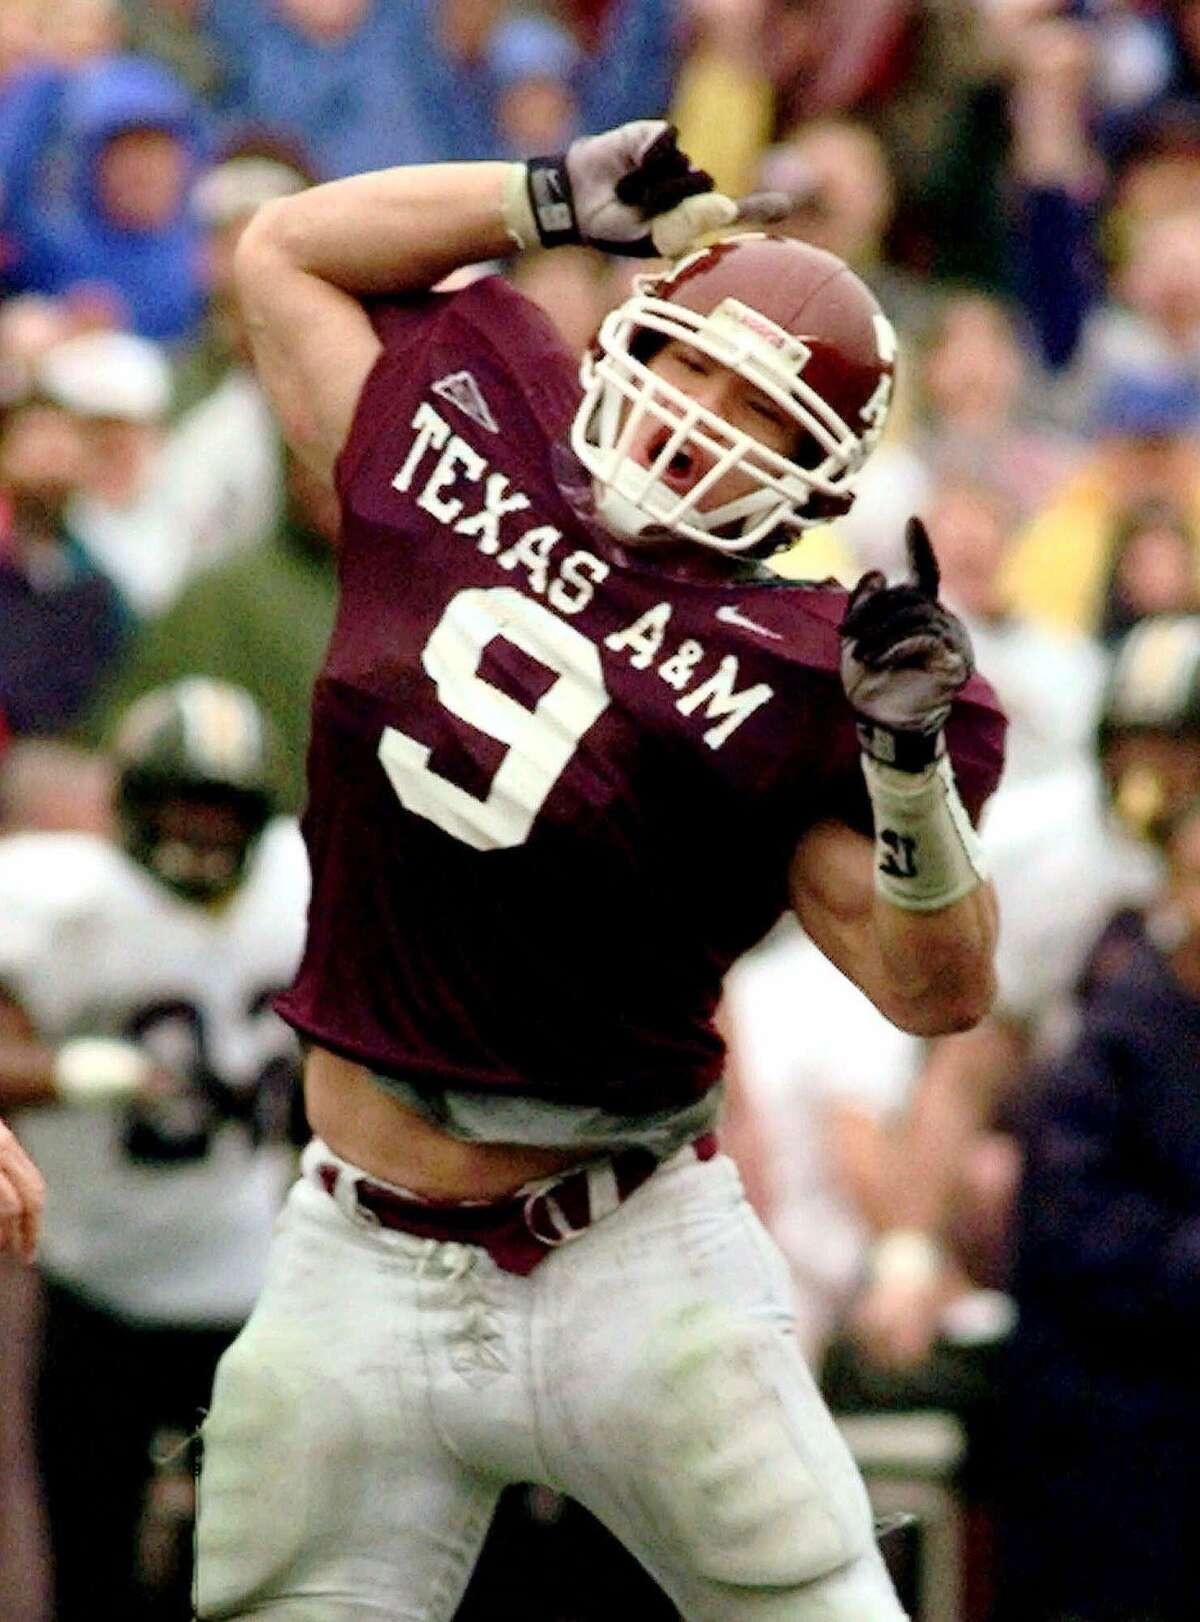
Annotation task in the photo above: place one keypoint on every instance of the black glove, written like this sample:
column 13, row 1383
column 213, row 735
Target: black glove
column 605, row 191
column 904, row 657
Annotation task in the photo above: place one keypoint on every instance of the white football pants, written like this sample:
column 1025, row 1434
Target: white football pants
column 387, row 1388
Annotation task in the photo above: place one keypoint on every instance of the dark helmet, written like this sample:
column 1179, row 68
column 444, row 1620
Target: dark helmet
column 196, row 767
column 1149, row 731
column 800, row 326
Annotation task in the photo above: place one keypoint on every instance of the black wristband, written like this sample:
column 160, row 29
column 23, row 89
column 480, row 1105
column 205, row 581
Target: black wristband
column 552, row 201
column 903, row 751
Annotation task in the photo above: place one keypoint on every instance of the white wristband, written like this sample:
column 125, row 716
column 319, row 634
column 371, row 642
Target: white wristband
column 98, row 1071
column 927, row 855
column 516, row 210
column 905, row 1256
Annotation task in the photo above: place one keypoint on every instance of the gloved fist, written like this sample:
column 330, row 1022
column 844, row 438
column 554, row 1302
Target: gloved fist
column 904, row 657
column 628, row 191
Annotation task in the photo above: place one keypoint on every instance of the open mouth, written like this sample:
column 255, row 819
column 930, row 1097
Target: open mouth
column 683, row 468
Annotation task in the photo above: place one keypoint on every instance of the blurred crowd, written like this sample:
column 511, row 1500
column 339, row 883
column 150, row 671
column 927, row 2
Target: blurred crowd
column 1003, row 1226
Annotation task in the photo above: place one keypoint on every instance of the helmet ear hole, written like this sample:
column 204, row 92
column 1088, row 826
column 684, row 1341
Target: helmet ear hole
column 646, row 343
column 807, row 451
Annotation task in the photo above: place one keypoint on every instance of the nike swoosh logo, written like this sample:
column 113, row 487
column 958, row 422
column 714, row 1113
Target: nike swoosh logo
column 733, row 616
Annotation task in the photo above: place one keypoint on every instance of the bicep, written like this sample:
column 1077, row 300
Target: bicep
column 313, row 346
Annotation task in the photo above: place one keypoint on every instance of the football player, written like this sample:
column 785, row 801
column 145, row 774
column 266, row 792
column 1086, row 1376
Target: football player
column 575, row 749
column 148, row 1075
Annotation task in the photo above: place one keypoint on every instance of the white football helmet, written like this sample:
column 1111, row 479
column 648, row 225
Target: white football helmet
column 798, row 325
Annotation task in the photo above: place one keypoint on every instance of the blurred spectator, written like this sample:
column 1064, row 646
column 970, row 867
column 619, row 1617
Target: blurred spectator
column 1108, row 255
column 1146, row 432
column 574, row 286
column 260, row 620
column 533, row 62
column 358, row 84
column 723, row 100
column 363, row 84
column 256, row 168
column 96, row 165
column 49, row 785
column 170, row 31
column 223, row 451
column 1150, row 725
column 1073, row 856
column 20, row 36
column 30, row 325
column 840, row 180
column 138, row 1052
column 917, row 74
column 972, row 413
column 630, row 61
column 1101, row 1414
column 1153, row 567
column 1049, row 683
column 118, row 387
column 78, row 31
column 64, row 621
column 158, row 505
column 806, row 1110
column 1158, row 176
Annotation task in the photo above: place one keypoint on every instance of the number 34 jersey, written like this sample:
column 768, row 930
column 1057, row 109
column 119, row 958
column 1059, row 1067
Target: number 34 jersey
column 162, row 1214
column 553, row 788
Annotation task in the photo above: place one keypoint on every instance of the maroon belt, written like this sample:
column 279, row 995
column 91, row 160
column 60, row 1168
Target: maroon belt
column 520, row 1230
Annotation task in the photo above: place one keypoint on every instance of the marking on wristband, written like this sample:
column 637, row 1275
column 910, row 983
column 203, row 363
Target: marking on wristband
column 550, row 202
column 899, row 858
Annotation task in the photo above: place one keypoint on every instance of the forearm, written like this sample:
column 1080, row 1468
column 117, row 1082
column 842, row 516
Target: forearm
column 937, row 965
column 934, row 913
column 390, row 230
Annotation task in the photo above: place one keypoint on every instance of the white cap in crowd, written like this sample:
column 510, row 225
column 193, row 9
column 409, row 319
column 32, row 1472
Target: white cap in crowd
column 240, row 185
column 107, row 374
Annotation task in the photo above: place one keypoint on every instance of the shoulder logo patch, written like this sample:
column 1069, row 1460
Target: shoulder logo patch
column 461, row 389
column 730, row 615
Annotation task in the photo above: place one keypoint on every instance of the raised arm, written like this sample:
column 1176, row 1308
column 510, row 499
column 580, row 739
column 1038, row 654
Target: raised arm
column 305, row 262
column 930, row 973
column 910, row 917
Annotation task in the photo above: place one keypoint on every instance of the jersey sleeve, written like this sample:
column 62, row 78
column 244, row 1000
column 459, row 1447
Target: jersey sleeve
column 975, row 735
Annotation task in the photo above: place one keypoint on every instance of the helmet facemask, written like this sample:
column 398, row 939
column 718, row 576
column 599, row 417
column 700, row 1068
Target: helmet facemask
column 621, row 391
column 195, row 839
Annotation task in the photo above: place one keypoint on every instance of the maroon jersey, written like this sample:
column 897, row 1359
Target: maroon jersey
column 554, row 790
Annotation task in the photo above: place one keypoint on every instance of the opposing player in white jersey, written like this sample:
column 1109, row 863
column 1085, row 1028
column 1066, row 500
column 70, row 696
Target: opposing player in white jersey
column 150, row 1080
